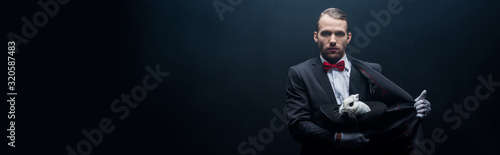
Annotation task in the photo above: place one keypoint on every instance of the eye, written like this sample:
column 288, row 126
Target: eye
column 351, row 104
column 340, row 34
column 326, row 33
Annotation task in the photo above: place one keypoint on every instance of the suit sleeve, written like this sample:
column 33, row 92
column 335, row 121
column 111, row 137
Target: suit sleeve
column 299, row 123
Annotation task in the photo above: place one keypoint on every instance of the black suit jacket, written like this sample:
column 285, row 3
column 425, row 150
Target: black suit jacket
column 308, row 88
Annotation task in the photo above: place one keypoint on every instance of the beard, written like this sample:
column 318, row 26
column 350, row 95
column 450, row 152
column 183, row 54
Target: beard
column 332, row 56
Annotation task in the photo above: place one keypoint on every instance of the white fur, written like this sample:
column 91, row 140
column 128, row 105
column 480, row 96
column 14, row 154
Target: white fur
column 357, row 107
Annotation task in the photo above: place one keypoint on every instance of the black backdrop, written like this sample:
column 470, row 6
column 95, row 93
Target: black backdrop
column 226, row 76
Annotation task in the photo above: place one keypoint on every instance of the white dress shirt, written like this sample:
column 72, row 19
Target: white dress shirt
column 339, row 80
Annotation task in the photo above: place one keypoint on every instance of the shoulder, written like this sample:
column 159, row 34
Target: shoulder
column 375, row 66
column 305, row 65
column 304, row 68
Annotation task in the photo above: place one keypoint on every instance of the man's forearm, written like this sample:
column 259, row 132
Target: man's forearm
column 308, row 132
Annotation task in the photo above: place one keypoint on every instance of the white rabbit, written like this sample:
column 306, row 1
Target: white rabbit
column 351, row 105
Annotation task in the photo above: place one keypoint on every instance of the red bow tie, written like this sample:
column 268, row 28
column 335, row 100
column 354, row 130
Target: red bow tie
column 327, row 66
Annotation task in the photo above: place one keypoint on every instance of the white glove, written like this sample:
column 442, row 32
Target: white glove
column 422, row 106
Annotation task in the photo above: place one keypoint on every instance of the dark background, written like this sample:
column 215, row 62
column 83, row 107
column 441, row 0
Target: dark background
column 227, row 76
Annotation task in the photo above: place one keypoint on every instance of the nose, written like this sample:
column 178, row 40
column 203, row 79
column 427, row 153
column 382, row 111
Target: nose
column 333, row 40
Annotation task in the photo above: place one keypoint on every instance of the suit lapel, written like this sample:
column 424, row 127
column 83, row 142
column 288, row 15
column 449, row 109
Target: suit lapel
column 320, row 74
column 358, row 84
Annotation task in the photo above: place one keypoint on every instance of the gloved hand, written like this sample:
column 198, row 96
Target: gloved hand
column 351, row 140
column 422, row 106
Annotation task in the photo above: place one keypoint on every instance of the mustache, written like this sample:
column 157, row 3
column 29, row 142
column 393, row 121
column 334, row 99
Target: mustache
column 327, row 48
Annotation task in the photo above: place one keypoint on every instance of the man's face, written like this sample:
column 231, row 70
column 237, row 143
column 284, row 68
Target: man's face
column 332, row 38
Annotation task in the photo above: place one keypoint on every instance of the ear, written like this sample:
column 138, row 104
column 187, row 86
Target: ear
column 316, row 36
column 349, row 36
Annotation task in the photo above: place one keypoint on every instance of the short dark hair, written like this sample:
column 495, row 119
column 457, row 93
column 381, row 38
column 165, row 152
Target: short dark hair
column 334, row 13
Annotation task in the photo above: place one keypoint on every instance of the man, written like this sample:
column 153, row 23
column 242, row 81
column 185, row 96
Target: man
column 333, row 76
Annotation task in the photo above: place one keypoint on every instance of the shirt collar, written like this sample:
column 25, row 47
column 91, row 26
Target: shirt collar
column 346, row 61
